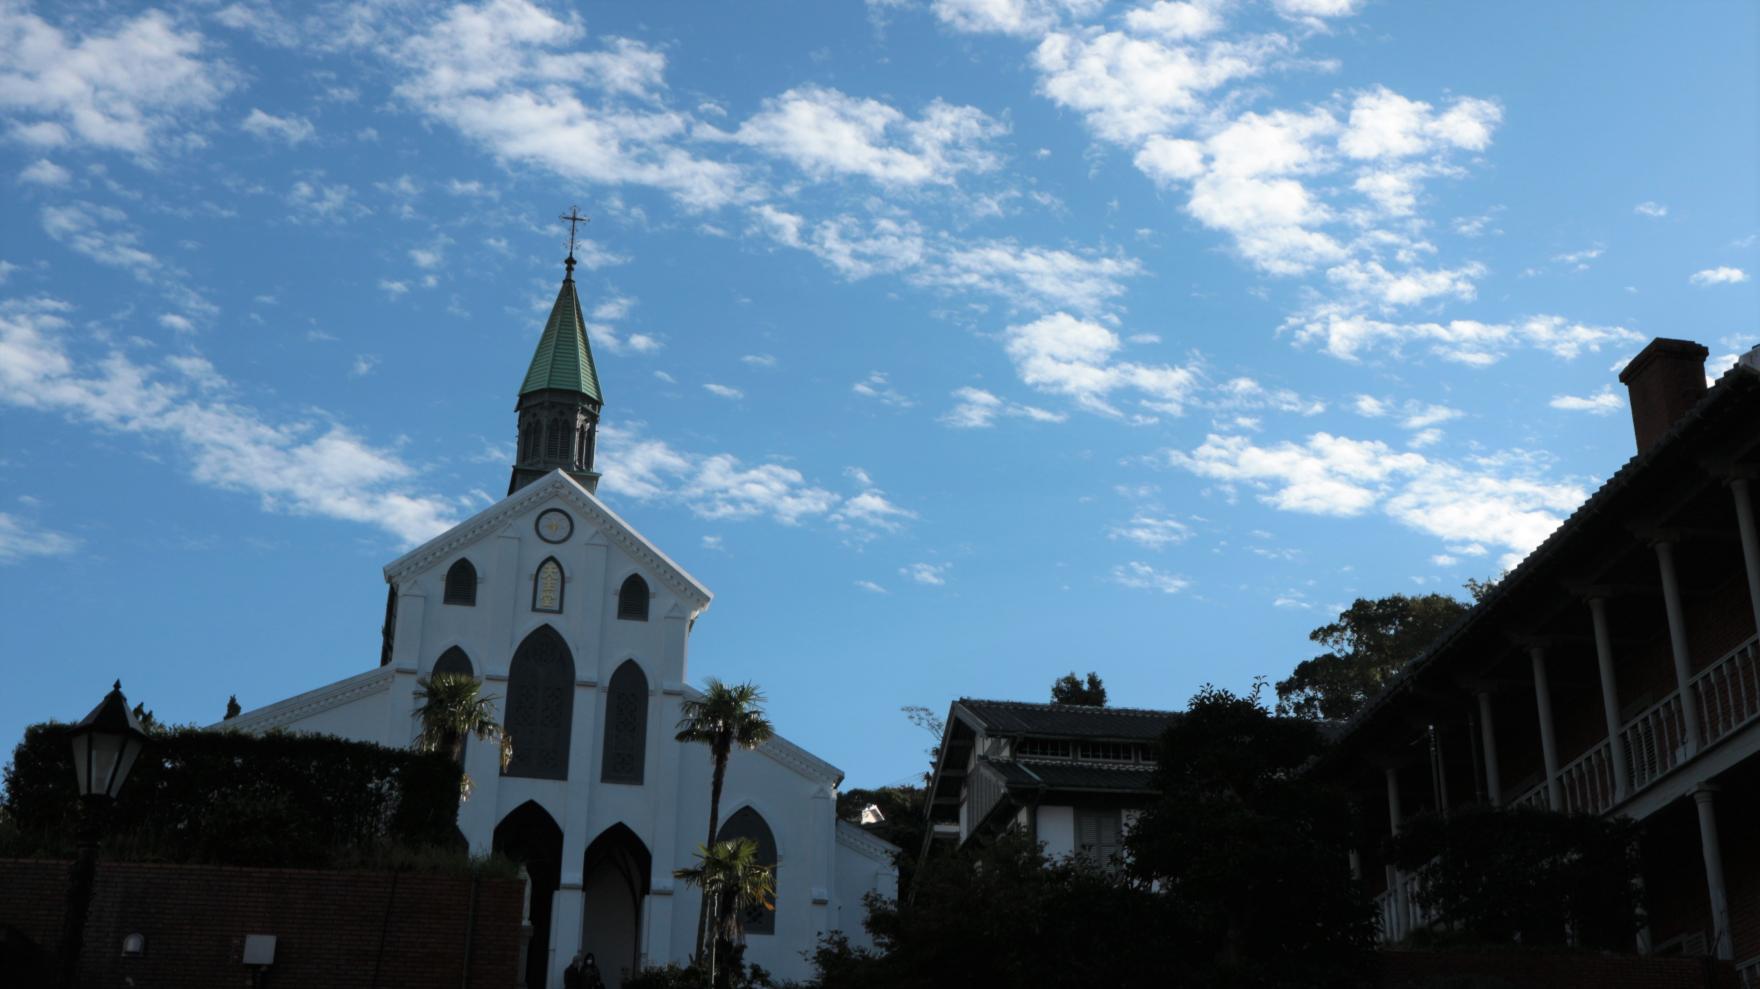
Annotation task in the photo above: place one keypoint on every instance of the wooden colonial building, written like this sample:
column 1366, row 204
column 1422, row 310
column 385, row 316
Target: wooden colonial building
column 1615, row 671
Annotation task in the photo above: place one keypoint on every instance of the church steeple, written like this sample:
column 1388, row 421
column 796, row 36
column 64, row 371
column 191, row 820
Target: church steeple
column 559, row 401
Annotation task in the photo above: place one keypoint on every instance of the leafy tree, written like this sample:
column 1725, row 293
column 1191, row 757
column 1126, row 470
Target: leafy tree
column 1478, row 589
column 903, row 824
column 1068, row 689
column 233, row 709
column 453, row 710
column 1003, row 914
column 1367, row 645
column 723, row 717
column 1250, row 850
column 734, row 883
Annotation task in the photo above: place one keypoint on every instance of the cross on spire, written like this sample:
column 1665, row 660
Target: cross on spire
column 573, row 219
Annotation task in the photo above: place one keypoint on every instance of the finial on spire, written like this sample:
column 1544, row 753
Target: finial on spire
column 573, row 219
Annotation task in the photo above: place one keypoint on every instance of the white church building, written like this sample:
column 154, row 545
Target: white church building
column 580, row 628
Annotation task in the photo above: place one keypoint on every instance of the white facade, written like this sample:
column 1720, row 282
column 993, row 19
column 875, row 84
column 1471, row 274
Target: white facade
column 824, row 866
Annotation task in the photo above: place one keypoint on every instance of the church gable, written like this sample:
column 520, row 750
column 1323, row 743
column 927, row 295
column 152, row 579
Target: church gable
column 582, row 518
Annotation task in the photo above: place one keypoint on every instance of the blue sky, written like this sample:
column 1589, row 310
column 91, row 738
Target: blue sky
column 955, row 344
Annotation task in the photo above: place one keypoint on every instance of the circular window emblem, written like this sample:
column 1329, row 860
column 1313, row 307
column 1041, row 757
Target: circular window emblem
column 554, row 525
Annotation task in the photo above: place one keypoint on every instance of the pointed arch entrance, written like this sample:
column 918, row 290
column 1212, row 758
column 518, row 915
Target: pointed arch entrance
column 614, row 880
column 529, row 835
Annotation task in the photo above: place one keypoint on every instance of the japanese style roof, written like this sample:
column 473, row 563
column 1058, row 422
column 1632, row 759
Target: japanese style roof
column 1070, row 776
column 564, row 360
column 1064, row 720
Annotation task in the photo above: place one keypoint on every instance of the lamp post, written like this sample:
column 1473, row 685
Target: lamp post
column 105, row 746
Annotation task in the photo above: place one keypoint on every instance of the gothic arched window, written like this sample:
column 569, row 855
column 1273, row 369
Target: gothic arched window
column 547, row 587
column 540, row 706
column 454, row 661
column 461, row 583
column 626, row 725
column 748, row 823
column 632, row 599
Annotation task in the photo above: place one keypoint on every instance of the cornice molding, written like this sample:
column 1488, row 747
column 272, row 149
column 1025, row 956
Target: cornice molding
column 283, row 713
column 855, row 839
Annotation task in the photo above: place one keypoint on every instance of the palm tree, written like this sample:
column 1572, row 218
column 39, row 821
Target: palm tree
column 452, row 710
column 734, row 883
column 722, row 718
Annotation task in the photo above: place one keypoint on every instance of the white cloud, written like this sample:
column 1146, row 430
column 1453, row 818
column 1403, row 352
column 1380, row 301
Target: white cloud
column 1023, row 18
column 871, row 587
column 177, row 323
column 1487, row 499
column 872, row 509
column 20, row 539
column 1579, row 260
column 1176, row 20
column 1412, row 414
column 724, row 391
column 978, row 409
column 1315, row 11
column 1144, row 577
column 1348, row 335
column 507, row 74
column 301, row 468
column 394, row 289
column 759, row 360
column 317, row 202
column 289, row 130
column 1719, row 276
column 45, row 172
column 1047, row 276
column 133, row 89
column 827, row 133
column 1385, row 125
column 1152, row 532
column 1601, row 403
column 1653, row 210
column 1243, row 393
column 1369, row 282
column 878, row 387
column 1068, row 356
column 363, row 365
column 1130, row 88
column 933, row 574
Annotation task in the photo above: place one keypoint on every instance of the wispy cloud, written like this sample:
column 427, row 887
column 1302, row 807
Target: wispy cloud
column 21, row 539
column 1724, row 275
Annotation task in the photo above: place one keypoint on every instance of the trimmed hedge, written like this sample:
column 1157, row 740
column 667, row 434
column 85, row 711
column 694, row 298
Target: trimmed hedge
column 240, row 799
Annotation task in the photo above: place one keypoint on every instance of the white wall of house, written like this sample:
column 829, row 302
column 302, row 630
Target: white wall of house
column 1057, row 830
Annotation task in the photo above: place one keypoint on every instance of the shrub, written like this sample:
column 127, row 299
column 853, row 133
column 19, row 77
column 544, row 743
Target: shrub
column 239, row 799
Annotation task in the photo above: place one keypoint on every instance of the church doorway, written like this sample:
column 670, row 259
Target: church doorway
column 529, row 836
column 615, row 882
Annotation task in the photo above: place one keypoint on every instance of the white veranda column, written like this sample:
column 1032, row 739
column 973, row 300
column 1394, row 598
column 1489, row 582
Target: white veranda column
column 1705, row 798
column 1677, row 640
column 1616, row 746
column 1395, row 888
column 1742, row 491
column 1488, row 737
column 1548, row 738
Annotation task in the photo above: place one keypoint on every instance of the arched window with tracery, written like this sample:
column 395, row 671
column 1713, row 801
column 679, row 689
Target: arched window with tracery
column 461, row 583
column 626, row 725
column 632, row 599
column 748, row 823
column 547, row 584
column 540, row 705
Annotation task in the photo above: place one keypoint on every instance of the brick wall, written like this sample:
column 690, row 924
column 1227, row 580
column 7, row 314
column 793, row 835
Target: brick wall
column 1518, row 970
column 334, row 929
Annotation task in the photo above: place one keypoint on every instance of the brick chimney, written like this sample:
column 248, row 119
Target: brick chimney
column 1665, row 380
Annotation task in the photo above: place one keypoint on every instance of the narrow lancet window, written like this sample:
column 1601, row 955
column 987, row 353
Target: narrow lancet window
column 632, row 599
column 461, row 583
column 547, row 587
column 626, row 725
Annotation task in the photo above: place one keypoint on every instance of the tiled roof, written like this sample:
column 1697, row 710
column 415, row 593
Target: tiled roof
column 1076, row 775
column 1066, row 720
column 564, row 360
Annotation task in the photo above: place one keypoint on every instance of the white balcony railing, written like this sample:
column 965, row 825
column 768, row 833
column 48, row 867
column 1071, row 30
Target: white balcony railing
column 1727, row 696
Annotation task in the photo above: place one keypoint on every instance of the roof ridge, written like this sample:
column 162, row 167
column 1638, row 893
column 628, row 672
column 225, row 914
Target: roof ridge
column 1079, row 708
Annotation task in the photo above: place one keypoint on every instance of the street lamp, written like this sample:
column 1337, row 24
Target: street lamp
column 105, row 746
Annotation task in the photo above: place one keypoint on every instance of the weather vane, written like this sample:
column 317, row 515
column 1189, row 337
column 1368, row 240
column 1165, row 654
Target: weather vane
column 573, row 219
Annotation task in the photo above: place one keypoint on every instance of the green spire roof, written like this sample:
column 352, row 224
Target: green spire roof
column 563, row 360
